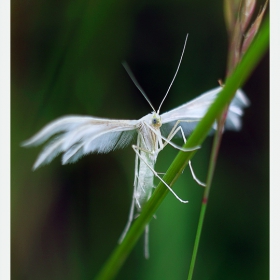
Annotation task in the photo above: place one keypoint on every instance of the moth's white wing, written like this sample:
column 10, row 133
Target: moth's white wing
column 193, row 111
column 76, row 136
column 235, row 112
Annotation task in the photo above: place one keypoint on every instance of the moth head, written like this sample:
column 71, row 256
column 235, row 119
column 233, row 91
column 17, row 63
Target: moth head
column 156, row 120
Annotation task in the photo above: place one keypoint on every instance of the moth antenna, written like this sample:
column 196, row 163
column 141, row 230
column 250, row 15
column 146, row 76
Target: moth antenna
column 132, row 77
column 175, row 73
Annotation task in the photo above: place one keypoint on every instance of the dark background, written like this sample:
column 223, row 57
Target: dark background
column 66, row 220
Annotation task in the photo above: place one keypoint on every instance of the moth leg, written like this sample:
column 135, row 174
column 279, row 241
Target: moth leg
column 173, row 132
column 167, row 141
column 136, row 166
column 130, row 218
column 176, row 128
column 131, row 212
column 194, row 177
column 136, row 170
column 136, row 148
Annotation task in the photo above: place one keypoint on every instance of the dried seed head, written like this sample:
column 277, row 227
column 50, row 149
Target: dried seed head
column 251, row 33
column 238, row 14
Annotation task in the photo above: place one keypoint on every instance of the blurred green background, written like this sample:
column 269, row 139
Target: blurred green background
column 66, row 220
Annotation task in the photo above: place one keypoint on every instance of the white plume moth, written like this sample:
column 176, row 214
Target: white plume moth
column 75, row 136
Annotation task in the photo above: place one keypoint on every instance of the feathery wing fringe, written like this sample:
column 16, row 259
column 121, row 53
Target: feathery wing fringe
column 192, row 112
column 76, row 136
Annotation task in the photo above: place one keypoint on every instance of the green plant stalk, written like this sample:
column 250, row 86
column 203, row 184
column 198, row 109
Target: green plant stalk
column 212, row 164
column 210, row 174
column 238, row 77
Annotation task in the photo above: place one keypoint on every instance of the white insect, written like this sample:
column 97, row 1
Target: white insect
column 75, row 136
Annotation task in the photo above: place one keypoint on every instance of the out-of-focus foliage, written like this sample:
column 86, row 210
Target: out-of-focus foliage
column 66, row 220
